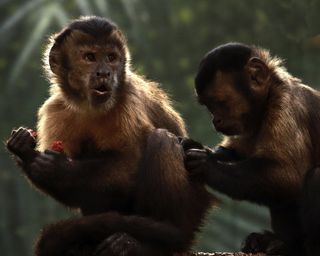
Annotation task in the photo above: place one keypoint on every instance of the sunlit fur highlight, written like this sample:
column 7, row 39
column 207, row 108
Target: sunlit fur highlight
column 139, row 107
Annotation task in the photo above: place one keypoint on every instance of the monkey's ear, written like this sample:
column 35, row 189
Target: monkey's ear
column 55, row 53
column 258, row 72
column 54, row 57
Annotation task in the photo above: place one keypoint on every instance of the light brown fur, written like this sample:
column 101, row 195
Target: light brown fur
column 123, row 173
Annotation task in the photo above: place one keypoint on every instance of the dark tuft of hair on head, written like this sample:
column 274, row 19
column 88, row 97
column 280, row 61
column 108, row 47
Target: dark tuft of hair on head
column 91, row 25
column 227, row 57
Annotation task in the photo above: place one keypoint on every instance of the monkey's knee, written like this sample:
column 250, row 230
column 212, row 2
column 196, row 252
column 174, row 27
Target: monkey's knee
column 161, row 142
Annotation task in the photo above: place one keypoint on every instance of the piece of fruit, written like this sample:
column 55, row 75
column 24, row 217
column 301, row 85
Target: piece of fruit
column 57, row 146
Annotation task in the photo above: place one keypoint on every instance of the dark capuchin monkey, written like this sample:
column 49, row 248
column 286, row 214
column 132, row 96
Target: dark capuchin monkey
column 124, row 174
column 271, row 126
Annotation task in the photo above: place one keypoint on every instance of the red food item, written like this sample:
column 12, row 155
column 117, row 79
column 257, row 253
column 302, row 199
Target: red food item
column 57, row 146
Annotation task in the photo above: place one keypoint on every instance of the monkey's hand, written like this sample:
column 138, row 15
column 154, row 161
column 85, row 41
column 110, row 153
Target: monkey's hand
column 197, row 161
column 188, row 143
column 51, row 163
column 22, row 145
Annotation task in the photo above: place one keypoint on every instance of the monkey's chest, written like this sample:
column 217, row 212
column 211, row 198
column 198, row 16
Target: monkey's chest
column 87, row 146
column 94, row 141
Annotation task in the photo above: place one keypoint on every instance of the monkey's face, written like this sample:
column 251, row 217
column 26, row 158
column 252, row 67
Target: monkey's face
column 95, row 72
column 89, row 68
column 228, row 106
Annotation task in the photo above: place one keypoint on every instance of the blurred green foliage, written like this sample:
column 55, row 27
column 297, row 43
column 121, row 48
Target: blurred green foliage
column 167, row 39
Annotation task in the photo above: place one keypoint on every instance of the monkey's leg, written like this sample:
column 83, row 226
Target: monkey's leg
column 66, row 236
column 164, row 191
column 310, row 212
column 162, row 185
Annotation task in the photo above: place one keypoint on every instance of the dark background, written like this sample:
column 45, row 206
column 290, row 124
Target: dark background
column 167, row 39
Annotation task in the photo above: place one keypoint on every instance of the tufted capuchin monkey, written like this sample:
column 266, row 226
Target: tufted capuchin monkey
column 271, row 126
column 125, row 174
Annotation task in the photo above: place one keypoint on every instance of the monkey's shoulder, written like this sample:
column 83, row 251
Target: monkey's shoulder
column 152, row 106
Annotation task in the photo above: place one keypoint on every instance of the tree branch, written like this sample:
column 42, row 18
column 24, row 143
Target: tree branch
column 221, row 254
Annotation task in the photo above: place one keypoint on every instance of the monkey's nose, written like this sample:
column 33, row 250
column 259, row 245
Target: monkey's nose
column 103, row 74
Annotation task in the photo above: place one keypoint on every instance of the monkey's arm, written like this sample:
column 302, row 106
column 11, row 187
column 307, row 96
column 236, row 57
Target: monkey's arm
column 68, row 181
column 220, row 153
column 258, row 179
column 165, row 117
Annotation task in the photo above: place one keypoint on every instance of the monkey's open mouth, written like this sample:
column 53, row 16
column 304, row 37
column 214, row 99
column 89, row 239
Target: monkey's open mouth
column 101, row 89
column 101, row 93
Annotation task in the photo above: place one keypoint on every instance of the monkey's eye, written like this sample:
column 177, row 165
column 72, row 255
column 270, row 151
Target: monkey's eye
column 89, row 56
column 111, row 57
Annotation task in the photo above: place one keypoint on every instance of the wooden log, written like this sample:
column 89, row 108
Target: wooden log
column 221, row 254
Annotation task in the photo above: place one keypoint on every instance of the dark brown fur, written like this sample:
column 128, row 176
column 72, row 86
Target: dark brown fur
column 125, row 176
column 272, row 121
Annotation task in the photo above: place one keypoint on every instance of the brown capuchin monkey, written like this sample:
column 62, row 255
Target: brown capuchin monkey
column 271, row 126
column 123, row 173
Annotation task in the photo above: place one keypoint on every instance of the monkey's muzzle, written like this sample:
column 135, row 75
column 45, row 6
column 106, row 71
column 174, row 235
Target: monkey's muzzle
column 100, row 94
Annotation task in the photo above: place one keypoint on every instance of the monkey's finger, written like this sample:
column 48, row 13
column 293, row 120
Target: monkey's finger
column 54, row 154
column 16, row 133
column 30, row 140
column 196, row 154
column 194, row 163
column 21, row 130
column 13, row 132
column 47, row 157
column 189, row 143
column 43, row 160
column 196, row 150
column 16, row 141
column 21, row 138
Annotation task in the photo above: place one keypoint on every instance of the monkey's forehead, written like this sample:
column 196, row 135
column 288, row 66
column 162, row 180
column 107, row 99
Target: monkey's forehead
column 82, row 39
column 221, row 83
column 228, row 57
column 93, row 46
column 93, row 25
